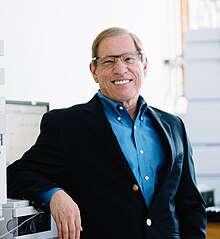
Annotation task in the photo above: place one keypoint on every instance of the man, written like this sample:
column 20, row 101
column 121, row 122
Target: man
column 113, row 168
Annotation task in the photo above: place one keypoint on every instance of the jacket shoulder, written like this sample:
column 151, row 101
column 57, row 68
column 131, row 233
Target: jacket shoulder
column 169, row 117
column 72, row 114
column 169, row 121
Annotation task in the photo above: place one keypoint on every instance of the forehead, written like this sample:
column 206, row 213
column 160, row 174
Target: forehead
column 116, row 45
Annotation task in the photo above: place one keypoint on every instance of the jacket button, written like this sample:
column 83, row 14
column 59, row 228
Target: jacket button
column 135, row 187
column 149, row 222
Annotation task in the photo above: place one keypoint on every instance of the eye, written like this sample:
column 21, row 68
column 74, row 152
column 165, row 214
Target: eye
column 107, row 60
column 129, row 58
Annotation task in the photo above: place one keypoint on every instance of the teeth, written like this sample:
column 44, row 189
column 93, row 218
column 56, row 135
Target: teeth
column 121, row 82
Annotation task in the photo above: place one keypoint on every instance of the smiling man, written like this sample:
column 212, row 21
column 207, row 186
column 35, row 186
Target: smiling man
column 114, row 167
column 120, row 69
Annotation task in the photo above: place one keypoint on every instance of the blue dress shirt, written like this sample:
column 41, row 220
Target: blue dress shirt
column 139, row 141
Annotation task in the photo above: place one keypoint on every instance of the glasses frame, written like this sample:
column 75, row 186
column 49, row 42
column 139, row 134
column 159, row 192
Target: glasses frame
column 97, row 58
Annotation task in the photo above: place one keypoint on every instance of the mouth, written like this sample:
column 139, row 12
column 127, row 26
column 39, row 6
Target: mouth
column 121, row 82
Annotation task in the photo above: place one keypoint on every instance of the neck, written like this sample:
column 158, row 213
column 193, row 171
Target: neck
column 132, row 110
column 133, row 113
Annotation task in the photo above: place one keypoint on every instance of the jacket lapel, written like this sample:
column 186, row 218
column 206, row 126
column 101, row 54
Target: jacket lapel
column 99, row 124
column 167, row 139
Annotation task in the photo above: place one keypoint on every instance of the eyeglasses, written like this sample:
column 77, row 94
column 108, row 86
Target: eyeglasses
column 129, row 59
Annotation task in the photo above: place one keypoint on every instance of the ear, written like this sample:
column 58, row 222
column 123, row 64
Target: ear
column 93, row 71
column 145, row 63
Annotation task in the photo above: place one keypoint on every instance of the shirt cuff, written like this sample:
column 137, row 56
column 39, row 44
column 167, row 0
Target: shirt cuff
column 45, row 196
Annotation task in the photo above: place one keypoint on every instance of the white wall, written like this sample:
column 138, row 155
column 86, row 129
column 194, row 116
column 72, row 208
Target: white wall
column 48, row 46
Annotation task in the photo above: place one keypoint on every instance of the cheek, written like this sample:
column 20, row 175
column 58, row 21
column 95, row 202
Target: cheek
column 139, row 74
column 142, row 73
column 98, row 77
column 104, row 77
column 142, row 70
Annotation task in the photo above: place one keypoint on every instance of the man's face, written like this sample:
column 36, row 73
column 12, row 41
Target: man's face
column 120, row 82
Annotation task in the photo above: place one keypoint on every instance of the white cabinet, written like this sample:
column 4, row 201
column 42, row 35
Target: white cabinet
column 202, row 79
column 202, row 89
column 203, row 122
column 207, row 160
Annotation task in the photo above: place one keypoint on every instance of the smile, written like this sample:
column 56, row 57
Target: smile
column 121, row 82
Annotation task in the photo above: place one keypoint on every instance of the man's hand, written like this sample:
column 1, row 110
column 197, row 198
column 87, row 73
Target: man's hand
column 66, row 215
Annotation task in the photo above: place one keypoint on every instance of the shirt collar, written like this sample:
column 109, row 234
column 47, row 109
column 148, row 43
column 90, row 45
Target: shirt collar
column 111, row 105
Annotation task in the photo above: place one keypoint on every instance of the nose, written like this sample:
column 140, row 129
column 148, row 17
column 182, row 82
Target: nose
column 119, row 67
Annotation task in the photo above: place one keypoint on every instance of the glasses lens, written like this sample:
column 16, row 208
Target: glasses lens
column 107, row 60
column 130, row 58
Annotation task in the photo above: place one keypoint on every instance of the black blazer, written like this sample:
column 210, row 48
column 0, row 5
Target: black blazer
column 78, row 151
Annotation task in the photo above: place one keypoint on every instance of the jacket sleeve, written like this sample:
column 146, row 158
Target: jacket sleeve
column 189, row 202
column 42, row 167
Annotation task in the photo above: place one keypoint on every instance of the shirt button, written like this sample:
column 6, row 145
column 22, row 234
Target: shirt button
column 148, row 222
column 121, row 108
column 142, row 118
column 147, row 178
column 119, row 118
column 141, row 151
column 135, row 127
column 135, row 187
